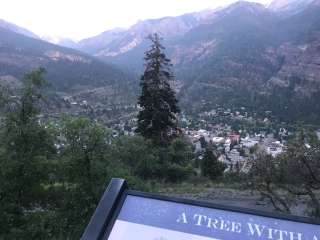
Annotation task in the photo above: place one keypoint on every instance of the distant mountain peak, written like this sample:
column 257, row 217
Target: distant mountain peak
column 246, row 10
column 14, row 28
column 247, row 5
column 290, row 6
column 250, row 7
column 64, row 42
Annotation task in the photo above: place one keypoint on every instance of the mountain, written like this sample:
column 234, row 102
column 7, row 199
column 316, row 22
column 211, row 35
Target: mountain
column 254, row 58
column 197, row 40
column 289, row 7
column 236, row 35
column 126, row 47
column 243, row 55
column 67, row 70
column 98, row 43
column 184, row 36
column 14, row 28
column 64, row 42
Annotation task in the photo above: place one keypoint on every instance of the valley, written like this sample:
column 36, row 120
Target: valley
column 267, row 61
column 237, row 74
column 220, row 105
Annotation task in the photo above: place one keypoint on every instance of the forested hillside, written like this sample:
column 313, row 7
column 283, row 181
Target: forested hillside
column 67, row 69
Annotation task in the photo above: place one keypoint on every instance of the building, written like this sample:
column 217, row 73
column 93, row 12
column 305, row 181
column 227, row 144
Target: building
column 234, row 137
column 218, row 140
column 236, row 161
column 274, row 149
column 249, row 142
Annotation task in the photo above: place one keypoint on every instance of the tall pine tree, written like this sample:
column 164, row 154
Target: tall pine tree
column 159, row 106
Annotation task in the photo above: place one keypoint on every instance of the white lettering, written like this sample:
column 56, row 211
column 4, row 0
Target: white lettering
column 281, row 232
column 257, row 229
column 236, row 227
column 225, row 225
column 182, row 218
column 273, row 232
column 213, row 223
column 294, row 236
column 199, row 219
column 270, row 233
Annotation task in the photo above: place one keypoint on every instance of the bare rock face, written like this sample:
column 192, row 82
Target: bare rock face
column 167, row 27
column 101, row 42
column 187, row 54
column 58, row 56
column 299, row 68
column 116, row 42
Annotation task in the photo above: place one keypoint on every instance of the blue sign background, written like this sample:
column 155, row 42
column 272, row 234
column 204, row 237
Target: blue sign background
column 212, row 223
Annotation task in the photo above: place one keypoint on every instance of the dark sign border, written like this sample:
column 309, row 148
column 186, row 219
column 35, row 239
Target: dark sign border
column 110, row 205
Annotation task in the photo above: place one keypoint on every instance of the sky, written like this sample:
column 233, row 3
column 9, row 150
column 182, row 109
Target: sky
column 78, row 19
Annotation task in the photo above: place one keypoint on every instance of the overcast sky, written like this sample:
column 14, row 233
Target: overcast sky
column 78, row 19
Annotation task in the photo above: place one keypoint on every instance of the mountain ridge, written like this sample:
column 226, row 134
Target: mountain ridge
column 289, row 7
column 245, row 53
column 15, row 28
column 67, row 69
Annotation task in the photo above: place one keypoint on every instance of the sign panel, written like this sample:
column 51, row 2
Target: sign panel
column 143, row 218
column 128, row 215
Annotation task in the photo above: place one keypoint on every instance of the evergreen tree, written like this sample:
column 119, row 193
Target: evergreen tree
column 157, row 118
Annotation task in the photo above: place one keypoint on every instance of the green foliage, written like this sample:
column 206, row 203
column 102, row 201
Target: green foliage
column 177, row 161
column 138, row 154
column 175, row 173
column 25, row 148
column 210, row 166
column 294, row 174
column 85, row 146
column 52, row 175
column 180, row 152
column 149, row 161
column 84, row 170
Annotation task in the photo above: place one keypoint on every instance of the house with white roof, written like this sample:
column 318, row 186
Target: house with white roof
column 249, row 142
column 274, row 149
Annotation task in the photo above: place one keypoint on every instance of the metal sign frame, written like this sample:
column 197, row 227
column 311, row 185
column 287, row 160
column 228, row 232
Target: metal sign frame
column 109, row 207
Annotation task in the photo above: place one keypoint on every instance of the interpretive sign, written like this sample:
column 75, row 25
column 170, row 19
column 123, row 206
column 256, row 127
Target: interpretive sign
column 142, row 216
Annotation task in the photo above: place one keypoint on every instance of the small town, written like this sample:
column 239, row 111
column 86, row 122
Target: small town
column 234, row 148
